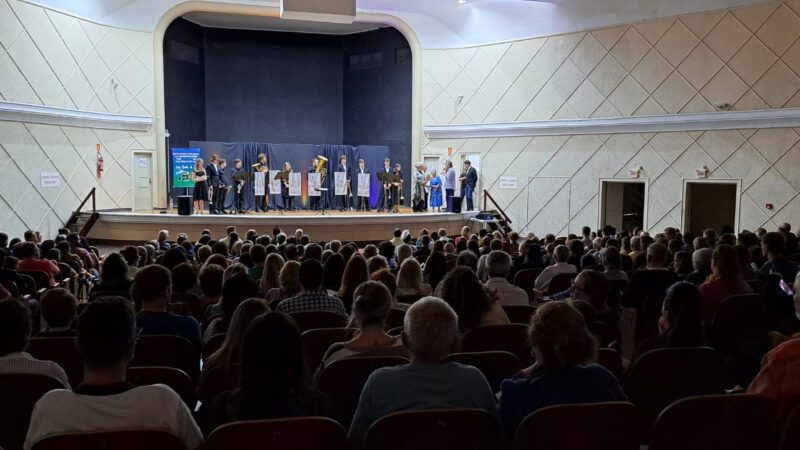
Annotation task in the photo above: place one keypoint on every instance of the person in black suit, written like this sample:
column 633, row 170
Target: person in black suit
column 363, row 202
column 212, row 172
column 469, row 179
column 313, row 201
column 344, row 202
column 223, row 187
column 396, row 189
column 385, row 199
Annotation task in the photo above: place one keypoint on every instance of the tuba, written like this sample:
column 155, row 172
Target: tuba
column 320, row 168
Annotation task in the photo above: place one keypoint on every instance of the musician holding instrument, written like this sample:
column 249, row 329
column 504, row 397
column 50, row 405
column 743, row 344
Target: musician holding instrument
column 344, row 201
column 223, row 187
column 317, row 166
column 262, row 201
column 288, row 200
column 397, row 189
column 239, row 179
column 363, row 202
column 385, row 200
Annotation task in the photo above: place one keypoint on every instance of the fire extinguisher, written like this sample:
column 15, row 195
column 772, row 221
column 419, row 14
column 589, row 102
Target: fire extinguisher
column 99, row 163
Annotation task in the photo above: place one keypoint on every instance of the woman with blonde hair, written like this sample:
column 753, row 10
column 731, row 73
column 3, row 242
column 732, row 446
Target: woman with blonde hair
column 200, row 194
column 409, row 279
column 289, row 280
column 355, row 273
column 270, row 278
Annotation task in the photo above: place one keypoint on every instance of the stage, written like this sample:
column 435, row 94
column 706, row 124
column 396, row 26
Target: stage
column 127, row 227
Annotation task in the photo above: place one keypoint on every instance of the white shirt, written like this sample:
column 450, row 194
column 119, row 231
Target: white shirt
column 543, row 280
column 507, row 293
column 24, row 363
column 155, row 407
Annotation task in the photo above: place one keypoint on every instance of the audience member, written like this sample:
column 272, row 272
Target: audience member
column 429, row 381
column 355, row 273
column 465, row 294
column 59, row 309
column 498, row 266
column 235, row 290
column 561, row 255
column 725, row 281
column 773, row 246
column 701, row 261
column 270, row 273
column 312, row 297
column 30, row 262
column 409, row 280
column 680, row 322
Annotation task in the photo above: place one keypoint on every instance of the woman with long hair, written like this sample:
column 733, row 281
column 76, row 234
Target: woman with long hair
column 200, row 193
column 409, row 279
column 355, row 273
column 462, row 290
column 725, row 281
column 289, row 280
column 114, row 276
column 334, row 269
column 680, row 324
column 435, row 269
column 274, row 382
column 270, row 277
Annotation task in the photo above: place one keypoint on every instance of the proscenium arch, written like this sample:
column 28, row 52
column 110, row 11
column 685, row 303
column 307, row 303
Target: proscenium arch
column 160, row 191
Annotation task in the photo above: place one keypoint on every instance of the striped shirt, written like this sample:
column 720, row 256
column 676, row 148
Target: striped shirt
column 24, row 363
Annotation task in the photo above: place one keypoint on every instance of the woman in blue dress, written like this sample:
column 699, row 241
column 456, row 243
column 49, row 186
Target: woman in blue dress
column 436, row 191
column 200, row 194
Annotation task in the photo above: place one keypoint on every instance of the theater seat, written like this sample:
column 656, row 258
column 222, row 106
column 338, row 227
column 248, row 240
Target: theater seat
column 462, row 429
column 317, row 341
column 343, row 380
column 511, row 338
column 560, row 283
column 318, row 319
column 495, row 366
column 606, row 426
column 519, row 313
column 710, row 422
column 62, row 351
column 18, row 394
column 167, row 351
column 305, row 433
column 113, row 440
column 176, row 379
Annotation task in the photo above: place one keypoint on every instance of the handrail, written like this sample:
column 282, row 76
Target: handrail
column 74, row 217
column 487, row 195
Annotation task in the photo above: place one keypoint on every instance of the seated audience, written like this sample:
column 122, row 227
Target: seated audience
column 612, row 263
column 701, row 262
column 184, row 280
column 273, row 382
column 312, row 297
column 409, row 279
column 59, row 309
column 561, row 255
column 210, row 278
column 333, row 270
column 773, row 246
column 105, row 401
column 258, row 254
column 680, row 323
column 31, row 262
column 564, row 371
column 152, row 289
column 465, row 294
column 498, row 266
column 131, row 255
column 355, row 273
column 435, row 269
column 289, row 283
column 113, row 277
column 270, row 274
column 370, row 311
column 429, row 381
column 236, row 289
column 725, row 281
column 15, row 335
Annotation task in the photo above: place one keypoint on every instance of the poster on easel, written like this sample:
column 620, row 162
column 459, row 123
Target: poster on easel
column 274, row 185
column 295, row 180
column 314, row 183
column 339, row 181
column 363, row 184
column 260, row 183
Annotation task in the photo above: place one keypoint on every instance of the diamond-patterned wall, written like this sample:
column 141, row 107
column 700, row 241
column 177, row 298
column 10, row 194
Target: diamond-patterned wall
column 748, row 58
column 50, row 58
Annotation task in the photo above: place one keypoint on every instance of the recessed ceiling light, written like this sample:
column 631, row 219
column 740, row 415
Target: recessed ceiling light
column 461, row 2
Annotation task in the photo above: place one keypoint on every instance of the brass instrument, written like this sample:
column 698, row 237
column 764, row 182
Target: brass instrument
column 260, row 167
column 283, row 175
column 349, row 187
column 321, row 170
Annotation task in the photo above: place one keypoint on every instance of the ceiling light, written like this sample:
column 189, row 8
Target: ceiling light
column 461, row 2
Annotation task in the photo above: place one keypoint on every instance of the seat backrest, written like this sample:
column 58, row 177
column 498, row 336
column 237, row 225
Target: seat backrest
column 286, row 434
column 62, row 351
column 560, row 283
column 396, row 331
column 65, row 269
column 11, row 287
column 19, row 393
column 40, row 279
column 660, row 377
column 730, row 422
column 511, row 338
column 495, row 366
column 113, row 440
column 524, row 278
column 612, row 425
column 519, row 313
column 463, row 429
column 176, row 379
column 789, row 435
column 317, row 341
column 213, row 344
column 409, row 299
column 30, row 284
column 396, row 318
column 344, row 379
column 167, row 351
column 214, row 382
column 318, row 319
column 611, row 360
column 737, row 317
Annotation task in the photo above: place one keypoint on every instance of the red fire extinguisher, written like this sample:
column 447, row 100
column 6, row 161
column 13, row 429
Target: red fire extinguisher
column 99, row 163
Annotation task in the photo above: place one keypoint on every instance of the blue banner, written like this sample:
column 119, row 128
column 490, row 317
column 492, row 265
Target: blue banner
column 183, row 160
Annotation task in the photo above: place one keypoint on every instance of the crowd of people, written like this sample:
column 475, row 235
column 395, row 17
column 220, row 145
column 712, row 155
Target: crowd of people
column 248, row 287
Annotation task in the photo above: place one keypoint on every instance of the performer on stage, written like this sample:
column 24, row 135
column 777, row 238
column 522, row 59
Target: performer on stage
column 435, row 184
column 212, row 171
column 418, row 195
column 313, row 202
column 239, row 180
column 262, row 201
column 344, row 201
column 469, row 179
column 362, row 170
column 397, row 189
column 224, row 187
column 200, row 193
column 449, row 184
column 385, row 201
column 288, row 200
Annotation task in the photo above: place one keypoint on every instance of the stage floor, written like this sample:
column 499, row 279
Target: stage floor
column 125, row 226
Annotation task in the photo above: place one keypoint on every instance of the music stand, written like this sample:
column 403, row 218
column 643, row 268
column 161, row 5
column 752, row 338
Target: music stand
column 322, row 192
column 390, row 178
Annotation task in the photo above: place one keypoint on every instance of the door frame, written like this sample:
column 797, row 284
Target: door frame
column 601, row 200
column 152, row 155
column 685, row 203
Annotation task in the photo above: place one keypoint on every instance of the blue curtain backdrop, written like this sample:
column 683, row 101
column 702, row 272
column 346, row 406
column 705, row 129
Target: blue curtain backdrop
column 300, row 157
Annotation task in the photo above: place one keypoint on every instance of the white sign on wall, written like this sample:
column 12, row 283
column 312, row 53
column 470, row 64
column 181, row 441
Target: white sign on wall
column 50, row 179
column 508, row 183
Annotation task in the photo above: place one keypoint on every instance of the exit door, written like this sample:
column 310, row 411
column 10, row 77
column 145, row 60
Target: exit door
column 142, row 181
